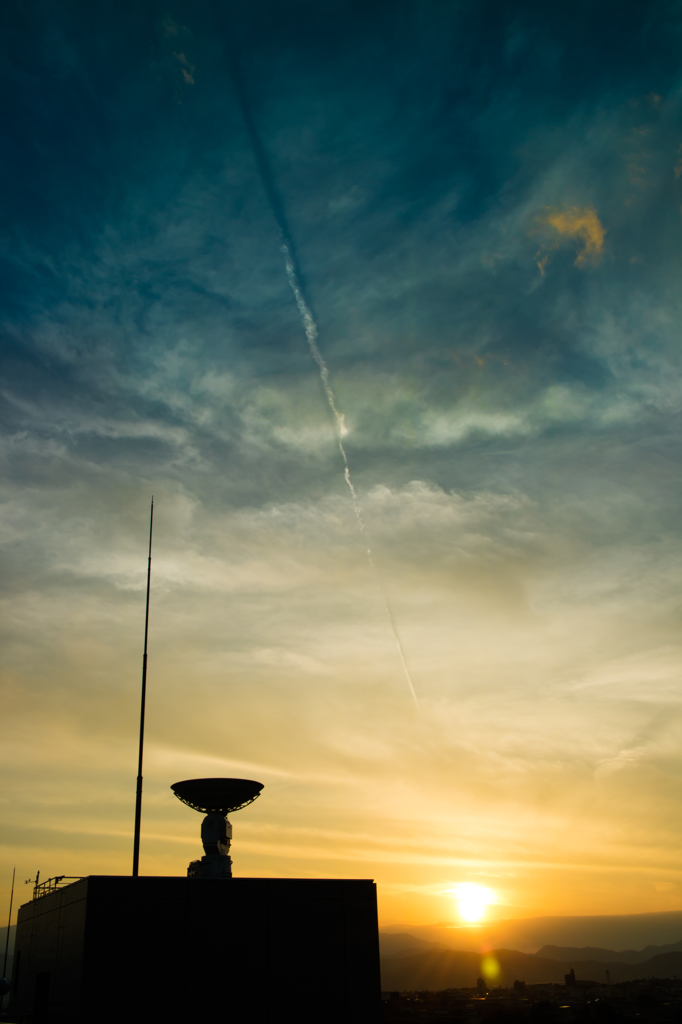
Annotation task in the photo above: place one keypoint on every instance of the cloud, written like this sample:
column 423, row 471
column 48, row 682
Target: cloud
column 186, row 68
column 582, row 224
column 625, row 759
column 169, row 27
column 514, row 446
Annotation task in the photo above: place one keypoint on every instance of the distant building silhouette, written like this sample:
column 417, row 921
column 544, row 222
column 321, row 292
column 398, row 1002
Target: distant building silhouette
column 569, row 979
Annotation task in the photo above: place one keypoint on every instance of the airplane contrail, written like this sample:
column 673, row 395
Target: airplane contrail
column 310, row 327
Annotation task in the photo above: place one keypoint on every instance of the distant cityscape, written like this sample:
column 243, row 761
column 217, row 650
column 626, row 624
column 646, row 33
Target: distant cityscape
column 429, row 982
column 644, row 1000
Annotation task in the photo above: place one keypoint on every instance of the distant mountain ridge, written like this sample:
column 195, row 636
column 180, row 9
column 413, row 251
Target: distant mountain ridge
column 402, row 943
column 440, row 968
column 431, row 958
column 625, row 956
column 628, row 932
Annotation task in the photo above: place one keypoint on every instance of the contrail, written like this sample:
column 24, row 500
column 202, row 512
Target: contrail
column 310, row 328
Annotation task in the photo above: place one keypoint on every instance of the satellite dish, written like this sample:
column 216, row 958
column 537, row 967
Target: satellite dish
column 216, row 798
column 222, row 796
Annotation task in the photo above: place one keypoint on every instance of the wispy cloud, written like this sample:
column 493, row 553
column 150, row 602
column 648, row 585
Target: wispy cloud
column 186, row 68
column 574, row 223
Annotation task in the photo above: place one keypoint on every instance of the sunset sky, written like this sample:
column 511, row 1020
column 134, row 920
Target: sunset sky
column 484, row 201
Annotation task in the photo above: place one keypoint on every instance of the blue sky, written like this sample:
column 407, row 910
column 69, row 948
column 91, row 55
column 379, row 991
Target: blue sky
column 485, row 204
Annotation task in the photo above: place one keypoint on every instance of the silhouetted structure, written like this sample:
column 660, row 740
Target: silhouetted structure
column 182, row 950
column 216, row 798
column 569, row 979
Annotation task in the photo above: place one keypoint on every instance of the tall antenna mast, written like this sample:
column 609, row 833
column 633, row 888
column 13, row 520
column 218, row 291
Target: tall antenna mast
column 9, row 923
column 138, row 799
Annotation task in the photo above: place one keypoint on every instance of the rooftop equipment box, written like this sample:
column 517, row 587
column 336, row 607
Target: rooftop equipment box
column 180, row 950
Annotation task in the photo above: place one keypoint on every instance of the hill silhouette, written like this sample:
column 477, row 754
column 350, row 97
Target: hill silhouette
column 439, row 968
column 606, row 932
column 625, row 956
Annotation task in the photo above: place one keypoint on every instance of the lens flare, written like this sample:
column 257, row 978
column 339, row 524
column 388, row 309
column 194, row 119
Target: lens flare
column 490, row 968
column 472, row 900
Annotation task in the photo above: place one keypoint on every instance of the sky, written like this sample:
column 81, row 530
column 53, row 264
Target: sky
column 482, row 206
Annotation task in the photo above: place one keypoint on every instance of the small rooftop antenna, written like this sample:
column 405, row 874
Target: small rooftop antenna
column 4, row 990
column 138, row 798
column 9, row 922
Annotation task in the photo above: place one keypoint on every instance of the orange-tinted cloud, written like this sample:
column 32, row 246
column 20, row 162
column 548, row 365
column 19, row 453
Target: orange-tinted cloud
column 574, row 222
column 582, row 224
column 186, row 68
column 543, row 257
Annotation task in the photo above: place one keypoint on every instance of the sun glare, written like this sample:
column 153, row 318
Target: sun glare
column 472, row 900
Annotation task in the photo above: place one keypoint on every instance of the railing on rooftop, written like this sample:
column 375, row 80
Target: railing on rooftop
column 41, row 889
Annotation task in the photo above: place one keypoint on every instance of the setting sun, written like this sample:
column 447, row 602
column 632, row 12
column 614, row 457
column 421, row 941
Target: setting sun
column 472, row 900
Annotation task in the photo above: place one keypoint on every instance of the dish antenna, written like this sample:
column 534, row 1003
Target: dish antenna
column 215, row 798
